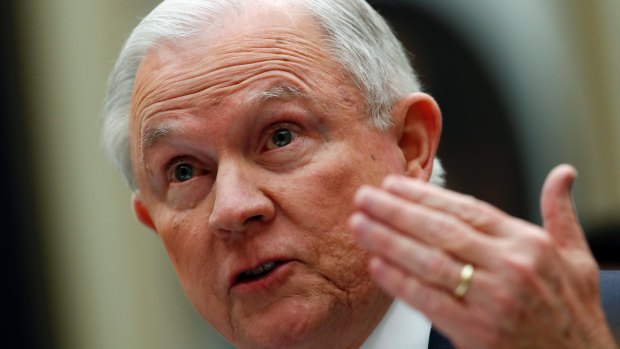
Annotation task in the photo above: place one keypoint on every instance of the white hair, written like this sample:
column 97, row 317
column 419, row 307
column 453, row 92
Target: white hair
column 358, row 38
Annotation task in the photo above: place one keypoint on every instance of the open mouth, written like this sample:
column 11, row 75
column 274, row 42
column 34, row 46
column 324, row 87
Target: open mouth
column 257, row 273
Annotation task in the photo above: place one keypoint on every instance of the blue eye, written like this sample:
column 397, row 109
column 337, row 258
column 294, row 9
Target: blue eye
column 282, row 137
column 183, row 172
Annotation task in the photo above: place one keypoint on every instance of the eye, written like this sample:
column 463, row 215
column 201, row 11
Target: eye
column 281, row 138
column 183, row 172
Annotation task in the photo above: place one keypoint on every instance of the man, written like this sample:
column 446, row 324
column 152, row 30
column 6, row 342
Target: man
column 246, row 130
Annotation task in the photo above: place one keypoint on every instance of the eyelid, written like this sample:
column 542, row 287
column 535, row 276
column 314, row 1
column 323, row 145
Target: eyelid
column 172, row 164
column 284, row 124
column 294, row 128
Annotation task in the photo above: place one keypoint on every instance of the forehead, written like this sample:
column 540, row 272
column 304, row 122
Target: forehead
column 223, row 70
column 252, row 27
column 232, row 54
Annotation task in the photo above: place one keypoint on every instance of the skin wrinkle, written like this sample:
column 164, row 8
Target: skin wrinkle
column 319, row 123
column 321, row 297
column 142, row 149
column 211, row 79
column 280, row 39
column 153, row 133
column 218, row 87
column 156, row 99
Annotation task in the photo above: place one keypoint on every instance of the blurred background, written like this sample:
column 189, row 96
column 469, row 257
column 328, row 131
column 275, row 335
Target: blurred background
column 523, row 84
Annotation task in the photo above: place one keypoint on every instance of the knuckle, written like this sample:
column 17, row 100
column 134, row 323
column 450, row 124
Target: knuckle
column 591, row 271
column 394, row 209
column 591, row 276
column 400, row 253
column 434, row 264
column 421, row 194
column 531, row 256
column 507, row 305
column 469, row 210
column 522, row 270
column 443, row 230
column 540, row 243
column 478, row 213
column 383, row 240
column 586, row 280
column 390, row 212
column 539, row 248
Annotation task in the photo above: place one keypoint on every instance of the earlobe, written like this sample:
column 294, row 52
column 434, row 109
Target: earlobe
column 420, row 120
column 142, row 212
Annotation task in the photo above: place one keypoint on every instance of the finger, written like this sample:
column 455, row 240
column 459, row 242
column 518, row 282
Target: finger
column 423, row 262
column 474, row 212
column 432, row 227
column 441, row 308
column 428, row 264
column 558, row 212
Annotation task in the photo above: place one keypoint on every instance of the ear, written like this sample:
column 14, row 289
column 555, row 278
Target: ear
column 142, row 213
column 418, row 121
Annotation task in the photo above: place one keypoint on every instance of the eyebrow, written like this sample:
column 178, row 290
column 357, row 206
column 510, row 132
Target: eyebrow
column 282, row 91
column 152, row 134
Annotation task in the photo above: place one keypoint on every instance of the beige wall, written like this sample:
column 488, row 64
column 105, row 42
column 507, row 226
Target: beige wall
column 593, row 26
column 112, row 286
column 608, row 13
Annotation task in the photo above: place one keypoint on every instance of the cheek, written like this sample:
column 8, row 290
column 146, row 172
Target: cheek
column 324, row 190
column 322, row 205
column 176, row 232
column 190, row 250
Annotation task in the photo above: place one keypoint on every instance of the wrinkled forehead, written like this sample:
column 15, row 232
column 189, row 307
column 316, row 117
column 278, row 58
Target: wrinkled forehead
column 241, row 26
column 216, row 64
column 254, row 34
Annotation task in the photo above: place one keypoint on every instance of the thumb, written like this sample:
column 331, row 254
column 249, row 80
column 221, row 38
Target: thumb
column 558, row 212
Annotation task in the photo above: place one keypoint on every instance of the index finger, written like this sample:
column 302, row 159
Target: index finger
column 468, row 209
column 434, row 228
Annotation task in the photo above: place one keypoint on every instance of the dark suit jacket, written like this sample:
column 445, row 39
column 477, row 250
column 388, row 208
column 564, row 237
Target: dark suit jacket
column 610, row 297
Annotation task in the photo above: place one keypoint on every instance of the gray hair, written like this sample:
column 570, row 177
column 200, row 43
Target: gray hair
column 359, row 39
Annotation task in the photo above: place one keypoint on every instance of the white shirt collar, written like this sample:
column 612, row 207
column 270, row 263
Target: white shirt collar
column 402, row 327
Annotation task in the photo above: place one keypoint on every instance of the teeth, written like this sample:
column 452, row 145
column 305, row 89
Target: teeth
column 261, row 269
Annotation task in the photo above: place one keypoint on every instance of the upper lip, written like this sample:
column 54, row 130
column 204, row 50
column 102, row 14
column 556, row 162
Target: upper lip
column 252, row 265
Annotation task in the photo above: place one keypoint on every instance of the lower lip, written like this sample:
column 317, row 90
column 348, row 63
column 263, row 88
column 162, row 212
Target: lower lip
column 266, row 283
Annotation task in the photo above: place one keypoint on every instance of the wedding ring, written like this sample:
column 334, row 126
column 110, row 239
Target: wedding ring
column 467, row 273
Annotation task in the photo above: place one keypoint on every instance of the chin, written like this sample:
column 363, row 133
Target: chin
column 292, row 323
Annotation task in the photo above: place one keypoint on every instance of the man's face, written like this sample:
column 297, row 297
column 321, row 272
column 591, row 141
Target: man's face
column 248, row 147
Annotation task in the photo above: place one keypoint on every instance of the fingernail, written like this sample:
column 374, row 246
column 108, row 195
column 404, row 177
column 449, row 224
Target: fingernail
column 390, row 182
column 363, row 195
column 376, row 266
column 357, row 223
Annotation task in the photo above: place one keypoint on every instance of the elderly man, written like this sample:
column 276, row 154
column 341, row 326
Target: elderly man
column 280, row 150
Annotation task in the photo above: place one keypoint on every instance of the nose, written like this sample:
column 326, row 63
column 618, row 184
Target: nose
column 240, row 202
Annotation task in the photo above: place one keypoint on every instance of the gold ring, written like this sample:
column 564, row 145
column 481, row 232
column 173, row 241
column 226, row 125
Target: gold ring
column 467, row 273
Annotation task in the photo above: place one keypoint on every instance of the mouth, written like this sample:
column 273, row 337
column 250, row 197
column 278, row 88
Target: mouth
column 258, row 273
